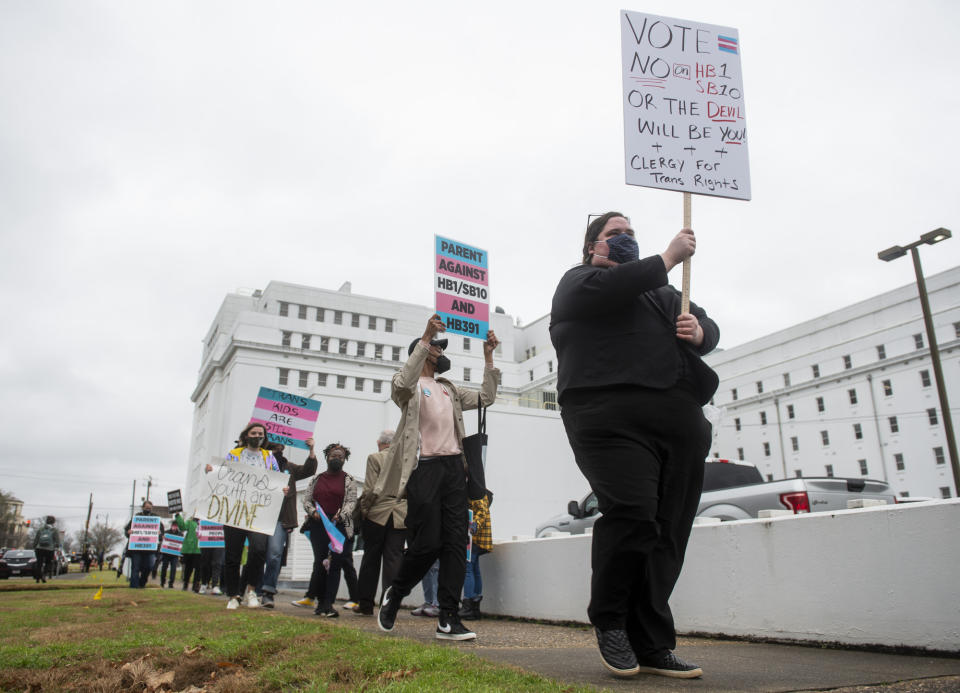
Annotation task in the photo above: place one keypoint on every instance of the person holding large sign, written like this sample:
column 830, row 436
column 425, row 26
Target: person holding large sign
column 632, row 384
column 426, row 464
column 144, row 534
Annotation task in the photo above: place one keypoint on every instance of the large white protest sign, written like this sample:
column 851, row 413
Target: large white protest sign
column 684, row 119
column 239, row 495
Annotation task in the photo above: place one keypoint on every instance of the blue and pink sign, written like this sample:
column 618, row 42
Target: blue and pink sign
column 462, row 286
column 290, row 419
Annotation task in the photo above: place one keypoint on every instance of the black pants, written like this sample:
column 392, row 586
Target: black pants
column 191, row 567
column 211, row 566
column 44, row 565
column 381, row 542
column 233, row 539
column 643, row 452
column 168, row 562
column 437, row 524
column 325, row 582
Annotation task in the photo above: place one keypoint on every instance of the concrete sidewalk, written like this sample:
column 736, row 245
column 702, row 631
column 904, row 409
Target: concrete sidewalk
column 569, row 654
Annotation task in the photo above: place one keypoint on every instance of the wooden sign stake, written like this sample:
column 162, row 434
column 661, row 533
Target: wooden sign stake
column 685, row 287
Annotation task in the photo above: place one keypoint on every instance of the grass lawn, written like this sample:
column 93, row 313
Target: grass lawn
column 58, row 637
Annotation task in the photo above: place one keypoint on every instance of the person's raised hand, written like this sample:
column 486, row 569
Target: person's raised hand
column 683, row 245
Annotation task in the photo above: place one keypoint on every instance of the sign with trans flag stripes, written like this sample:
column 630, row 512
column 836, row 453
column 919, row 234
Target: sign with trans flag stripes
column 290, row 419
column 462, row 286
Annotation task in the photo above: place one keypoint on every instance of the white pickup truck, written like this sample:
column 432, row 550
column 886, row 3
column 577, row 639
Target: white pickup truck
column 737, row 491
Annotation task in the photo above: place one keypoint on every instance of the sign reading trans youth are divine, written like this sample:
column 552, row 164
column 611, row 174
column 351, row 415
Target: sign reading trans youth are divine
column 290, row 419
column 239, row 495
column 462, row 286
column 684, row 118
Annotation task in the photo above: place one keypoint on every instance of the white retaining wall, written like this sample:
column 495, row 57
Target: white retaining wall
column 873, row 576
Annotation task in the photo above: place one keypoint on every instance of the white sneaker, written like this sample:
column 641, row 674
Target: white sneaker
column 203, row 589
column 234, row 603
column 217, row 591
column 251, row 601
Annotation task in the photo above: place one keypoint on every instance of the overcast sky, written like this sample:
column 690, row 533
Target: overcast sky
column 155, row 156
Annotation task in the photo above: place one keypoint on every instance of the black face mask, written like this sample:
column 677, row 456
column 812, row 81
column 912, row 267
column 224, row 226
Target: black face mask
column 254, row 442
column 334, row 465
column 443, row 364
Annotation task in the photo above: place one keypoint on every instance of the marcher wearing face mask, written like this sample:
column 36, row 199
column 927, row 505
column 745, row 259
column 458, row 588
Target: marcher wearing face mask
column 335, row 492
column 254, row 454
column 631, row 385
column 426, row 465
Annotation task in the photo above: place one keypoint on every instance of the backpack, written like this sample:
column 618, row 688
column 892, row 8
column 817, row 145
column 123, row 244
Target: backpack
column 46, row 538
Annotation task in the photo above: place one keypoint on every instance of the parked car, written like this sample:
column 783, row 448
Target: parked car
column 737, row 491
column 18, row 562
column 61, row 562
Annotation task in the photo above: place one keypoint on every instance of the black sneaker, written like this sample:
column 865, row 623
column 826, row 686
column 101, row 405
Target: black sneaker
column 616, row 653
column 668, row 664
column 327, row 612
column 363, row 610
column 266, row 601
column 387, row 615
column 449, row 627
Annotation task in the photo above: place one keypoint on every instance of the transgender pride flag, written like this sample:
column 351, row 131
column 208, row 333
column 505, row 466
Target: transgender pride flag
column 727, row 44
column 336, row 536
column 290, row 419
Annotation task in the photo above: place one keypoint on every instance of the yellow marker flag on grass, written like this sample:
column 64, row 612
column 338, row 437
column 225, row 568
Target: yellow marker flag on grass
column 99, row 594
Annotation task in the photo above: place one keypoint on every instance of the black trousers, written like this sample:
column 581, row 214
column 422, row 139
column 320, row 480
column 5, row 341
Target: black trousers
column 191, row 568
column 643, row 453
column 325, row 582
column 233, row 539
column 437, row 524
column 211, row 566
column 381, row 543
column 168, row 562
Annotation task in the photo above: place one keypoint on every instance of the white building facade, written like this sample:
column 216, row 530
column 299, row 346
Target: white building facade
column 849, row 394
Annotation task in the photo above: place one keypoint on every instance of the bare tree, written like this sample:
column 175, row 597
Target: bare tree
column 102, row 537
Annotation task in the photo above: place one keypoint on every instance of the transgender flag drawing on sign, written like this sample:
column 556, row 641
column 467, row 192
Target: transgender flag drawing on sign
column 727, row 44
column 290, row 419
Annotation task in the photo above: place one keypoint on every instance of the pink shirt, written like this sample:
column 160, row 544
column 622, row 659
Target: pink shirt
column 437, row 435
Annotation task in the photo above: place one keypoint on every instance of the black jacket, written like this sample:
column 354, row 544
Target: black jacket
column 616, row 326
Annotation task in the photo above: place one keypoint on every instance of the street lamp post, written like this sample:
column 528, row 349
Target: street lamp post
column 893, row 253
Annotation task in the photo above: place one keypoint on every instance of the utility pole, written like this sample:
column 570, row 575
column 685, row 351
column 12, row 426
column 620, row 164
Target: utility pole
column 149, row 484
column 86, row 529
column 133, row 498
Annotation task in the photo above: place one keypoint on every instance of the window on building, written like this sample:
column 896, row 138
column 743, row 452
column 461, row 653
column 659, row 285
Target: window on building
column 285, row 339
column 763, row 418
column 733, row 394
column 853, row 395
column 786, row 380
column 795, row 443
column 378, row 351
column 358, row 384
column 918, row 340
column 736, row 423
column 533, row 351
column 302, row 312
column 825, row 437
column 790, row 412
column 816, row 370
column 324, row 344
column 904, row 494
column 766, row 449
column 531, row 375
column 361, row 349
column 938, row 455
column 944, row 491
column 740, row 454
column 887, row 388
column 798, row 473
column 355, row 320
column 303, row 378
column 925, row 378
column 378, row 386
column 828, row 468
column 820, row 407
column 527, row 355
column 847, row 362
column 466, row 375
column 396, row 353
column 894, row 424
column 769, row 477
column 857, row 432
column 863, row 467
column 466, row 344
column 305, row 341
column 881, row 352
column 322, row 379
column 341, row 382
column 956, row 329
column 342, row 348
column 388, row 325
column 284, row 309
column 372, row 322
column 549, row 400
column 898, row 460
column 759, row 386
column 932, row 417
column 320, row 314
column 284, row 376
column 338, row 317
column 549, row 366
